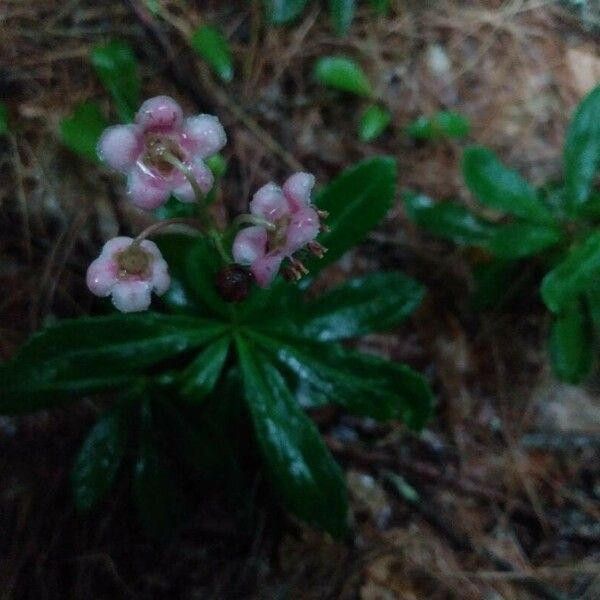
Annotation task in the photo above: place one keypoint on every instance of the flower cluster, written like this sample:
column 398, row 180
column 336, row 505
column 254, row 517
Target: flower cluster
column 287, row 222
column 162, row 154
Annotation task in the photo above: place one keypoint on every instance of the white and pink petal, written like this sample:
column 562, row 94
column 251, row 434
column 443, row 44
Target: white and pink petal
column 297, row 190
column 303, row 228
column 266, row 268
column 132, row 296
column 161, row 280
column 147, row 190
column 116, row 245
column 101, row 276
column 269, row 203
column 120, row 146
column 204, row 135
column 203, row 175
column 249, row 245
column 161, row 113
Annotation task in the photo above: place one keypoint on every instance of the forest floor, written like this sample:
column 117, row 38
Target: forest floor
column 499, row 498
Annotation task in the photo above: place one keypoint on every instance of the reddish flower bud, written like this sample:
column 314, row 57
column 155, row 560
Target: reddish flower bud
column 234, row 282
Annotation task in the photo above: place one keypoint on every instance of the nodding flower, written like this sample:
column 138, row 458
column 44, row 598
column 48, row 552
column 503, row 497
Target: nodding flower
column 158, row 148
column 129, row 272
column 285, row 222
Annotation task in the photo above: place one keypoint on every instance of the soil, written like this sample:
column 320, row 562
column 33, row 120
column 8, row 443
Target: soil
column 499, row 498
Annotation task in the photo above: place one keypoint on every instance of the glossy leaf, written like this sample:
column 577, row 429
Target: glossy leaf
column 193, row 264
column 280, row 12
column 357, row 201
column 592, row 298
column 444, row 124
column 363, row 305
column 571, row 345
column 214, row 48
column 158, row 501
column 3, row 118
column 381, row 7
column 270, row 305
column 500, row 188
column 342, row 14
column 493, row 282
column 175, row 249
column 200, row 378
column 81, row 131
column 517, row 240
column 174, row 209
column 591, row 208
column 299, row 466
column 582, row 149
column 202, row 265
column 90, row 354
column 363, row 384
column 573, row 275
column 207, row 444
column 447, row 219
column 373, row 122
column 343, row 74
column 99, row 459
column 117, row 67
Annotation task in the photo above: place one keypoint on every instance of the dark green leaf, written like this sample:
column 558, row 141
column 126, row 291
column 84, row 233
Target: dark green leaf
column 363, row 384
column 373, row 122
column 582, row 149
column 158, row 501
column 299, row 466
column 500, row 188
column 562, row 285
column 217, row 164
column 117, row 68
column 444, row 124
column 280, row 12
column 193, row 264
column 81, row 131
column 571, row 345
column 214, row 48
column 493, row 282
column 175, row 249
column 517, row 240
column 269, row 305
column 381, row 7
column 99, row 459
column 202, row 265
column 447, row 219
column 90, row 354
column 174, row 209
column 200, row 378
column 357, row 201
column 360, row 306
column 342, row 14
column 3, row 118
column 592, row 297
column 206, row 444
column 344, row 74
column 591, row 208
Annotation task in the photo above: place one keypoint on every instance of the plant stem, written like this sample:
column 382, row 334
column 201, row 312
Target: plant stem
column 161, row 224
column 217, row 239
column 253, row 220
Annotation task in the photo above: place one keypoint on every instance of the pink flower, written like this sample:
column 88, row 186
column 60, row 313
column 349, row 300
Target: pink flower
column 290, row 223
column 138, row 150
column 129, row 273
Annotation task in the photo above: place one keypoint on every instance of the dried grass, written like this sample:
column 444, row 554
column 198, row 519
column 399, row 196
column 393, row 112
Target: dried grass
column 496, row 519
